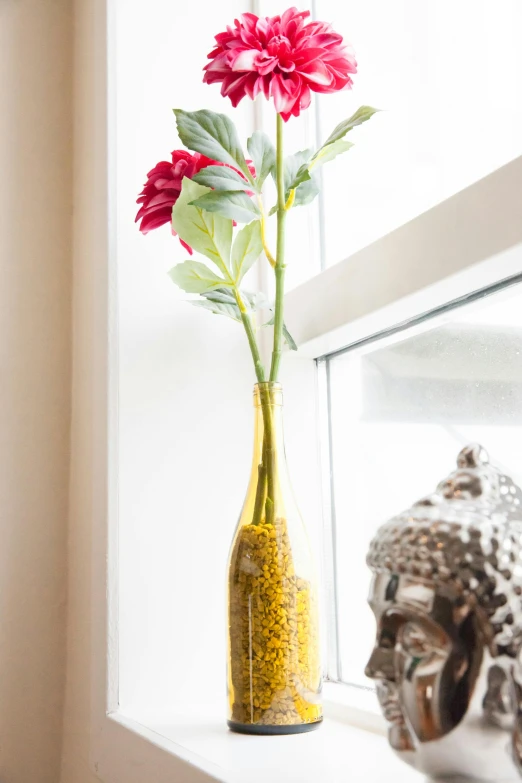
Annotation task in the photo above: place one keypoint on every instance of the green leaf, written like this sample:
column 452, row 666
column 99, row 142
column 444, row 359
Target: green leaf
column 306, row 192
column 362, row 114
column 221, row 178
column 221, row 301
column 219, row 307
column 257, row 301
column 299, row 178
column 263, row 155
column 246, row 250
column 225, row 295
column 323, row 155
column 233, row 204
column 296, row 170
column 329, row 152
column 209, row 234
column 289, row 340
column 231, row 311
column 254, row 301
column 333, row 146
column 213, row 135
column 195, row 277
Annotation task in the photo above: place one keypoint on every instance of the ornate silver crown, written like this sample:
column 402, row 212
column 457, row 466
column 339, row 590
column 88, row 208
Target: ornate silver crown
column 466, row 537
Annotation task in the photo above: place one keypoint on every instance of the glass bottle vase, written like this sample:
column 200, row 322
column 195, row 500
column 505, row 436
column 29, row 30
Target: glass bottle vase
column 274, row 670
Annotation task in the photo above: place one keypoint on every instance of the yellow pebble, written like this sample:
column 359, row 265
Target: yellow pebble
column 274, row 657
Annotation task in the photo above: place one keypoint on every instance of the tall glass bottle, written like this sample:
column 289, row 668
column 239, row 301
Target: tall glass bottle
column 274, row 670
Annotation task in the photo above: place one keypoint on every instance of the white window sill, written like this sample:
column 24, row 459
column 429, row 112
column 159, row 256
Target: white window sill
column 336, row 753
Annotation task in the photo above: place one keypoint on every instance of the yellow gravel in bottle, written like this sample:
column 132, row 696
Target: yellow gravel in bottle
column 274, row 645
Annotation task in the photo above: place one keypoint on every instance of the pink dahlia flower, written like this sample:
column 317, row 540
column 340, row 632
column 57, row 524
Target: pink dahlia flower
column 163, row 187
column 281, row 56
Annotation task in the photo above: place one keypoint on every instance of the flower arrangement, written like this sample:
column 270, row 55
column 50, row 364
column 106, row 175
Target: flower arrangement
column 214, row 198
column 204, row 193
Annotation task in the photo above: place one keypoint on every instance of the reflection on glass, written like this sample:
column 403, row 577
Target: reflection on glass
column 400, row 410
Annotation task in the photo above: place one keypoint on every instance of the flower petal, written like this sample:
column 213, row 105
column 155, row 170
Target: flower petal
column 244, row 60
column 316, row 72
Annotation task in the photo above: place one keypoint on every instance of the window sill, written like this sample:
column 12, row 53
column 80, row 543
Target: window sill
column 337, row 752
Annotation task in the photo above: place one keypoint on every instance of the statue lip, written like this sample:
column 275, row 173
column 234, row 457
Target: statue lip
column 388, row 698
column 392, row 713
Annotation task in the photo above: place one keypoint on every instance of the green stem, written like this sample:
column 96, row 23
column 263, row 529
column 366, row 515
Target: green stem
column 266, row 488
column 260, row 493
column 247, row 323
column 265, row 493
column 265, row 484
column 268, row 456
column 270, row 258
column 280, row 254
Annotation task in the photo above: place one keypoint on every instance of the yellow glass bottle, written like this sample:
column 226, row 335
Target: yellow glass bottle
column 274, row 670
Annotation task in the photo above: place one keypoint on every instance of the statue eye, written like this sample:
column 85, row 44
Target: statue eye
column 415, row 641
column 387, row 639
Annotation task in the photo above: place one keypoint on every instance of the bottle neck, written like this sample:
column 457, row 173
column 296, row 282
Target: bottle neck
column 269, row 490
column 269, row 446
column 268, row 418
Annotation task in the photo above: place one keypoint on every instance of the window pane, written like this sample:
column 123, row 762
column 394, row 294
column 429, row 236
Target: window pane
column 449, row 77
column 401, row 410
column 182, row 377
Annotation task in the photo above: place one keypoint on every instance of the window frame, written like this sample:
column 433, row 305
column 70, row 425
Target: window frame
column 345, row 302
column 437, row 257
column 328, row 390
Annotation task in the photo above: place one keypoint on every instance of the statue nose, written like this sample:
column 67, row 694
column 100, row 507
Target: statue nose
column 381, row 665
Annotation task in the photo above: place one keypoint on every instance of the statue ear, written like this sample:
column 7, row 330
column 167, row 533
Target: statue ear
column 517, row 731
column 461, row 666
column 461, row 611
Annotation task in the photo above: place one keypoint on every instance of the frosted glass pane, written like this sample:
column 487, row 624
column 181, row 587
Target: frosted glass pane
column 402, row 408
column 449, row 77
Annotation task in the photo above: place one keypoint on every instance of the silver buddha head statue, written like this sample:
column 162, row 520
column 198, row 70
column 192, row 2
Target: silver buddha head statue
column 446, row 594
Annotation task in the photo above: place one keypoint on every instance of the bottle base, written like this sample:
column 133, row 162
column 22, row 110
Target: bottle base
column 256, row 728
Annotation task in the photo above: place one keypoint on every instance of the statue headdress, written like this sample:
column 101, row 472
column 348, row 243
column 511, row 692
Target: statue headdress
column 467, row 537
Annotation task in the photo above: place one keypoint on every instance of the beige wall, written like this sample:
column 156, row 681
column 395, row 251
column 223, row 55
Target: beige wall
column 89, row 188
column 35, row 280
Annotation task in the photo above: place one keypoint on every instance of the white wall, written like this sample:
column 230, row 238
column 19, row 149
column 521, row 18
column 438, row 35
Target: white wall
column 185, row 380
column 35, row 209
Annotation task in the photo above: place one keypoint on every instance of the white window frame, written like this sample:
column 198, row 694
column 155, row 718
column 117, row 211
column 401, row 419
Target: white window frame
column 437, row 256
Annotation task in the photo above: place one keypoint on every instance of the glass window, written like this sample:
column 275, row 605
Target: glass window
column 448, row 76
column 401, row 408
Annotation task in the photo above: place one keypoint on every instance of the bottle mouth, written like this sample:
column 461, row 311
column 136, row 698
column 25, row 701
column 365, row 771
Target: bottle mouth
column 268, row 385
column 268, row 392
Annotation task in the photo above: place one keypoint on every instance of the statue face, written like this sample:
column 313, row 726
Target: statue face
column 426, row 658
